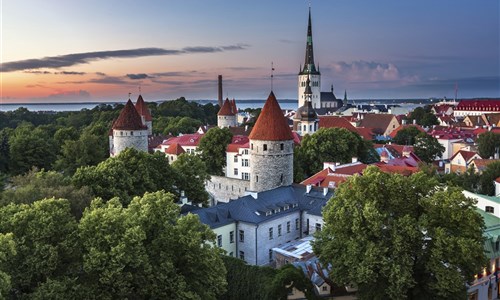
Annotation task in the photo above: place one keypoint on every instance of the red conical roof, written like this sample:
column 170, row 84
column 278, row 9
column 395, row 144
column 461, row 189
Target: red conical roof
column 271, row 124
column 129, row 119
column 226, row 109
column 143, row 109
column 233, row 106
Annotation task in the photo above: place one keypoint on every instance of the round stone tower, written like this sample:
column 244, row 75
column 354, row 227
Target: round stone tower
column 145, row 114
column 226, row 117
column 271, row 149
column 128, row 131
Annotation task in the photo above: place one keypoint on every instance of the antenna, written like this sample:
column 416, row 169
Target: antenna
column 272, row 75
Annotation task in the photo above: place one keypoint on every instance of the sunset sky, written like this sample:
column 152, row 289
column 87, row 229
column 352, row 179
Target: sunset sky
column 95, row 50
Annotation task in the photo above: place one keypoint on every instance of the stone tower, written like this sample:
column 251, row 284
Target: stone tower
column 227, row 115
column 145, row 114
column 309, row 71
column 271, row 149
column 128, row 131
column 306, row 119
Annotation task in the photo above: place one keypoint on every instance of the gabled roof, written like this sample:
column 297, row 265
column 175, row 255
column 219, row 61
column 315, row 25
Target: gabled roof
column 186, row 140
column 143, row 109
column 481, row 164
column 271, row 124
column 129, row 119
column 467, row 155
column 233, row 106
column 238, row 141
column 226, row 109
column 334, row 121
column 375, row 121
column 175, row 149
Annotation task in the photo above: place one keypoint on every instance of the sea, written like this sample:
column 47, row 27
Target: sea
column 242, row 104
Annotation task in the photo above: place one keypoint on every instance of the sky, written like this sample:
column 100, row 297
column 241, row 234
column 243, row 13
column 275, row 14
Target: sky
column 94, row 50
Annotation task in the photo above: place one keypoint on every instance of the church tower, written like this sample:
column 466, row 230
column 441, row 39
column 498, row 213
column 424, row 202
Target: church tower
column 309, row 71
column 271, row 149
column 128, row 131
column 306, row 119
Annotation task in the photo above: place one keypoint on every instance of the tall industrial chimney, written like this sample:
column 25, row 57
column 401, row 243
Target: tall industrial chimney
column 220, row 91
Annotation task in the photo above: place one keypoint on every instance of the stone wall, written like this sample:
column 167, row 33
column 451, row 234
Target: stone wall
column 226, row 121
column 270, row 168
column 123, row 139
column 224, row 189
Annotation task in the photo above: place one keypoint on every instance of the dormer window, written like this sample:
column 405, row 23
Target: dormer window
column 265, row 147
column 490, row 209
column 286, row 207
column 268, row 213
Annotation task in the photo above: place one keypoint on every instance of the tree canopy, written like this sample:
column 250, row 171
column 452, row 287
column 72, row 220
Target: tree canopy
column 213, row 146
column 427, row 147
column 406, row 136
column 424, row 116
column 191, row 174
column 401, row 237
column 488, row 143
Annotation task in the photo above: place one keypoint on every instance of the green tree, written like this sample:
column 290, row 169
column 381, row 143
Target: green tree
column 7, row 251
column 149, row 251
column 178, row 125
column 488, row 143
column 423, row 116
column 427, row 147
column 287, row 278
column 406, row 136
column 46, row 244
column 191, row 174
column 327, row 145
column 4, row 150
column 401, row 237
column 213, row 146
column 30, row 147
column 131, row 173
column 487, row 178
column 37, row 185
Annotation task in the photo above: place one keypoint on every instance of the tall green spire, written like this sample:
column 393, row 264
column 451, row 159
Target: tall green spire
column 345, row 98
column 309, row 67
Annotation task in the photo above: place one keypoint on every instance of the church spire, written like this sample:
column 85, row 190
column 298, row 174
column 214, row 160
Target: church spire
column 309, row 67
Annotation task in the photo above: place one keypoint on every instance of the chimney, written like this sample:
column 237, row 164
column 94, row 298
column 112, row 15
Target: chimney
column 184, row 199
column 354, row 160
column 414, row 122
column 220, row 91
column 325, row 191
column 403, row 122
column 308, row 188
column 329, row 165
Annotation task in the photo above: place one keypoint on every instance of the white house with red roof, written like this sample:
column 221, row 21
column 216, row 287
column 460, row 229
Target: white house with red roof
column 238, row 158
column 173, row 152
column 460, row 162
column 188, row 142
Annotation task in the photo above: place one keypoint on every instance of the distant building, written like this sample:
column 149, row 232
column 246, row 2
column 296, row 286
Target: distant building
column 227, row 115
column 476, row 107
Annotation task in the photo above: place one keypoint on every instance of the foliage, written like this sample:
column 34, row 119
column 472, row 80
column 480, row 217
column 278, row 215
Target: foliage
column 37, row 185
column 30, row 147
column 213, row 146
column 180, row 107
column 191, row 174
column 424, row 116
column 488, row 144
column 154, row 253
column 46, row 243
column 406, row 136
column 176, row 125
column 427, row 147
column 328, row 145
column 468, row 180
column 287, row 278
column 7, row 251
column 487, row 178
column 4, row 149
column 401, row 237
column 131, row 173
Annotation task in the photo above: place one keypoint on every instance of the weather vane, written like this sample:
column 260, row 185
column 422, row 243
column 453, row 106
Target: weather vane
column 272, row 75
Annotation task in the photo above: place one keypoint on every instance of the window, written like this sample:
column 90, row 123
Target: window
column 282, row 146
column 490, row 209
column 235, row 159
column 288, row 227
column 244, row 163
column 265, row 147
column 271, row 233
column 279, row 230
column 242, row 255
column 245, row 176
column 297, row 224
column 256, row 178
column 131, row 133
column 242, row 236
column 497, row 245
column 324, row 288
column 231, row 237
column 245, row 151
column 219, row 240
column 235, row 171
column 231, row 254
column 270, row 255
column 318, row 227
column 251, row 146
column 286, row 207
column 281, row 178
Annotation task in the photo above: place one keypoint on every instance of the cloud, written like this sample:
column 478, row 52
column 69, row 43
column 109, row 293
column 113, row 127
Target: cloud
column 108, row 80
column 29, row 86
column 70, row 73
column 367, row 71
column 80, row 95
column 138, row 76
column 100, row 73
column 37, row 72
column 242, row 68
column 60, row 61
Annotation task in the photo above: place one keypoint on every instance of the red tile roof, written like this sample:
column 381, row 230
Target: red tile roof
column 185, row 140
column 377, row 121
column 498, row 180
column 233, row 106
column 143, row 109
column 481, row 164
column 479, row 105
column 238, row 141
column 174, row 149
column 343, row 122
column 226, row 109
column 271, row 124
column 467, row 155
column 129, row 119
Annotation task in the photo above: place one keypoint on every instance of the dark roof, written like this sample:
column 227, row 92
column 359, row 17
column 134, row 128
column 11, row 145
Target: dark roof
column 129, row 119
column 265, row 207
column 271, row 124
column 381, row 121
column 306, row 112
column 328, row 97
column 309, row 67
column 143, row 109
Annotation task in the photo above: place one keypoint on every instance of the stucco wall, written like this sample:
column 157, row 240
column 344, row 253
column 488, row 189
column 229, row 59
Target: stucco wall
column 223, row 189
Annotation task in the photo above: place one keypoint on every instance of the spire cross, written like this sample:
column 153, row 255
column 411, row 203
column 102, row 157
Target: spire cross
column 272, row 75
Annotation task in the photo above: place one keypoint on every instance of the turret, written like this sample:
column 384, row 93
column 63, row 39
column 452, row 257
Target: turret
column 306, row 119
column 227, row 115
column 145, row 114
column 128, row 131
column 271, row 149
